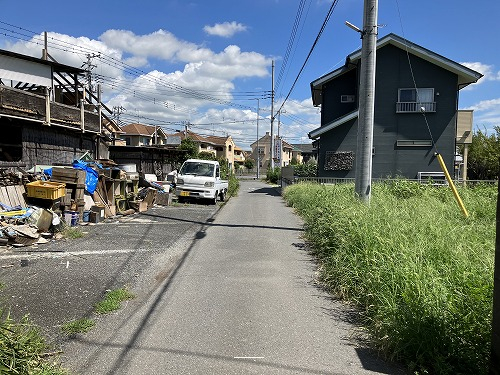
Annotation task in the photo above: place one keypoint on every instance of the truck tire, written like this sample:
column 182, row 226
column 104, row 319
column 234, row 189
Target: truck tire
column 222, row 195
column 214, row 199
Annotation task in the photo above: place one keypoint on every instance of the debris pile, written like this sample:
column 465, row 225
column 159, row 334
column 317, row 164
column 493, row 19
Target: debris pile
column 34, row 205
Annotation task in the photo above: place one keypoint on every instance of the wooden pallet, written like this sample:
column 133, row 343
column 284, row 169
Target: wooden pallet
column 13, row 195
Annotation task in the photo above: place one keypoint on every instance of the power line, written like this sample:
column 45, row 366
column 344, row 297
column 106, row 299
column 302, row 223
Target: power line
column 323, row 26
column 290, row 41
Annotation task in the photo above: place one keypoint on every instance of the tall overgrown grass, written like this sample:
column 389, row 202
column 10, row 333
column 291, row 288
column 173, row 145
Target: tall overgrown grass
column 23, row 350
column 420, row 272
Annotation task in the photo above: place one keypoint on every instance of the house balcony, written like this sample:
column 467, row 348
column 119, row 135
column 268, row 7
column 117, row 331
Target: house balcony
column 414, row 107
column 239, row 158
column 25, row 105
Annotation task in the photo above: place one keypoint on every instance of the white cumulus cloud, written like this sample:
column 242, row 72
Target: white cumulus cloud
column 486, row 70
column 226, row 29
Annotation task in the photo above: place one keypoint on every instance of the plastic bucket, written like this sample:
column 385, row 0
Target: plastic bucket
column 86, row 216
column 71, row 218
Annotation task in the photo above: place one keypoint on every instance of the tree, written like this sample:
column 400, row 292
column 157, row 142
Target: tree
column 249, row 163
column 207, row 155
column 191, row 148
column 483, row 156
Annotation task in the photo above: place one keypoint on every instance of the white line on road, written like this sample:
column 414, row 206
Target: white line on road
column 248, row 357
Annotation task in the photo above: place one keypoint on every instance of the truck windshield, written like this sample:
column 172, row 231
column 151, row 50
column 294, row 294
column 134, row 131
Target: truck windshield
column 197, row 169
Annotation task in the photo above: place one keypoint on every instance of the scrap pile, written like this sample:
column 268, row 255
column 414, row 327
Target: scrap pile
column 35, row 205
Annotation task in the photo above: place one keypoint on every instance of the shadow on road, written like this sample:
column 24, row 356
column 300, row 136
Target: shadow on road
column 272, row 191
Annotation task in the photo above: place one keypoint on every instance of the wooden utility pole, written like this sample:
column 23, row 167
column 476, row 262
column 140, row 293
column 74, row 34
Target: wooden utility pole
column 495, row 325
column 364, row 148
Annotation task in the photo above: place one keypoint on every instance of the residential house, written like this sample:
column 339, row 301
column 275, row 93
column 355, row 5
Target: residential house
column 221, row 147
column 46, row 114
column 143, row 135
column 307, row 152
column 282, row 156
column 416, row 104
column 239, row 156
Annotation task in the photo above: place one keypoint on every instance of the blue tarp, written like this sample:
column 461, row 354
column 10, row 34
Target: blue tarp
column 91, row 175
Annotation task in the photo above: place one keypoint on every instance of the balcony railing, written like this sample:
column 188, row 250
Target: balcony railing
column 414, row 107
column 29, row 106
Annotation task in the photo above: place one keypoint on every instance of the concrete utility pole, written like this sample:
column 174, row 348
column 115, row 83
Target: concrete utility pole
column 495, row 324
column 272, row 117
column 89, row 67
column 258, row 153
column 363, row 173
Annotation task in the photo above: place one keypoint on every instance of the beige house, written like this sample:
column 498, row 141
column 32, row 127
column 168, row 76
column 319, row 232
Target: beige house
column 221, row 147
column 239, row 155
column 284, row 152
column 143, row 135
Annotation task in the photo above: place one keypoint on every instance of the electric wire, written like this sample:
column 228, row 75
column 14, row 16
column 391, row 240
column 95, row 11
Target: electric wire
column 124, row 86
column 323, row 26
column 295, row 26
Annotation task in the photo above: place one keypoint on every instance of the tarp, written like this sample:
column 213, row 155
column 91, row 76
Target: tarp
column 91, row 177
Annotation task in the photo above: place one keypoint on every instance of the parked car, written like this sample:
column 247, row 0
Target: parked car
column 200, row 179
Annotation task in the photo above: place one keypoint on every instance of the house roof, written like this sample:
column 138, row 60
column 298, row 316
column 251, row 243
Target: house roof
column 211, row 139
column 465, row 75
column 304, row 147
column 141, row 129
column 327, row 127
column 57, row 67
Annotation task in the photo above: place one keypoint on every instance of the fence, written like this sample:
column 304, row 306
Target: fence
column 286, row 180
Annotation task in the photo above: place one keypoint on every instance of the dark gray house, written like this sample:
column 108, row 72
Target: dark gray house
column 416, row 109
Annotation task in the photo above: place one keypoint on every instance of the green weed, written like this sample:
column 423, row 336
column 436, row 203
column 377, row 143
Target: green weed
column 78, row 326
column 112, row 300
column 23, row 349
column 72, row 232
column 420, row 273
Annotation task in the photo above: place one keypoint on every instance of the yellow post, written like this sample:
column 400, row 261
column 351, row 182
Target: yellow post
column 452, row 185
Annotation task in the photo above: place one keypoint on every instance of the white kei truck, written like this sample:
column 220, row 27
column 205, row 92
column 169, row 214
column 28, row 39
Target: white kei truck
column 200, row 179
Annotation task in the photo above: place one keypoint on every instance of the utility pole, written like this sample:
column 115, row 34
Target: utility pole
column 363, row 173
column 495, row 323
column 272, row 117
column 258, row 151
column 117, row 111
column 89, row 66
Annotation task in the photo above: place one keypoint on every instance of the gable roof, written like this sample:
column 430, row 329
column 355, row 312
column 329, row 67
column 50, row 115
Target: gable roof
column 304, row 147
column 465, row 75
column 141, row 129
column 211, row 139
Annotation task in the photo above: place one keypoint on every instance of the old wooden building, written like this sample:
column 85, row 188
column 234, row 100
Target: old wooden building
column 47, row 114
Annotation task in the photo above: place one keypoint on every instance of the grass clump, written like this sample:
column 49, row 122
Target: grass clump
column 78, row 326
column 23, row 349
column 72, row 232
column 233, row 186
column 421, row 273
column 112, row 300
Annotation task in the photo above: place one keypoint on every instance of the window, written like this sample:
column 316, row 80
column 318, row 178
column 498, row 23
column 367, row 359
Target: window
column 416, row 100
column 347, row 98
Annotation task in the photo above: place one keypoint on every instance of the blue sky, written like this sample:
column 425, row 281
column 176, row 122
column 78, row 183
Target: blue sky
column 205, row 62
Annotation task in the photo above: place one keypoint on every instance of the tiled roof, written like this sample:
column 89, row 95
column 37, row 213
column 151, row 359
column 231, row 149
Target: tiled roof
column 141, row 129
column 212, row 139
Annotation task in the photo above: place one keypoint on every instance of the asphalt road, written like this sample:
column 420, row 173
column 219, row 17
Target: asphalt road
column 228, row 291
column 64, row 279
